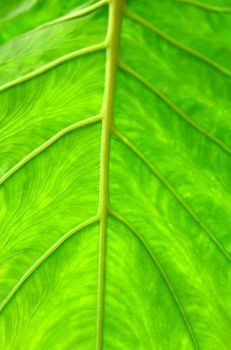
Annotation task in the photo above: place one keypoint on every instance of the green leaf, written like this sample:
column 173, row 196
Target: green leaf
column 115, row 184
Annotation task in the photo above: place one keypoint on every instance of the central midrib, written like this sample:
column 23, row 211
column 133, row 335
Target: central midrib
column 112, row 57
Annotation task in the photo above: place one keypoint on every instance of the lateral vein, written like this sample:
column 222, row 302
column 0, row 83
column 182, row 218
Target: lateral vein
column 171, row 189
column 162, row 273
column 206, row 7
column 174, row 107
column 177, row 44
column 79, row 13
column 74, row 15
column 47, row 144
column 51, row 65
column 44, row 257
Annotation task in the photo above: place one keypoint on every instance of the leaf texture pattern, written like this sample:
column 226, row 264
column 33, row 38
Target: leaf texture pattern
column 115, row 184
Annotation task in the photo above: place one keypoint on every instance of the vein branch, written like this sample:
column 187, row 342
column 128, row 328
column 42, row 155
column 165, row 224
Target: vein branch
column 44, row 257
column 163, row 274
column 172, row 190
column 174, row 107
column 80, row 13
column 177, row 44
column 55, row 63
column 206, row 7
column 47, row 144
column 74, row 15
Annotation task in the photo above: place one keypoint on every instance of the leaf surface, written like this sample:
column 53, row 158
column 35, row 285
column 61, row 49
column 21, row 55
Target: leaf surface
column 115, row 184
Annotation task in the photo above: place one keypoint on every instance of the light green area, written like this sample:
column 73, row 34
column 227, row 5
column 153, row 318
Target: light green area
column 40, row 47
column 19, row 16
column 115, row 185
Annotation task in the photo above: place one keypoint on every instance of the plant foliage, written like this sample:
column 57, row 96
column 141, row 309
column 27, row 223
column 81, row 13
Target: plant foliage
column 115, row 186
